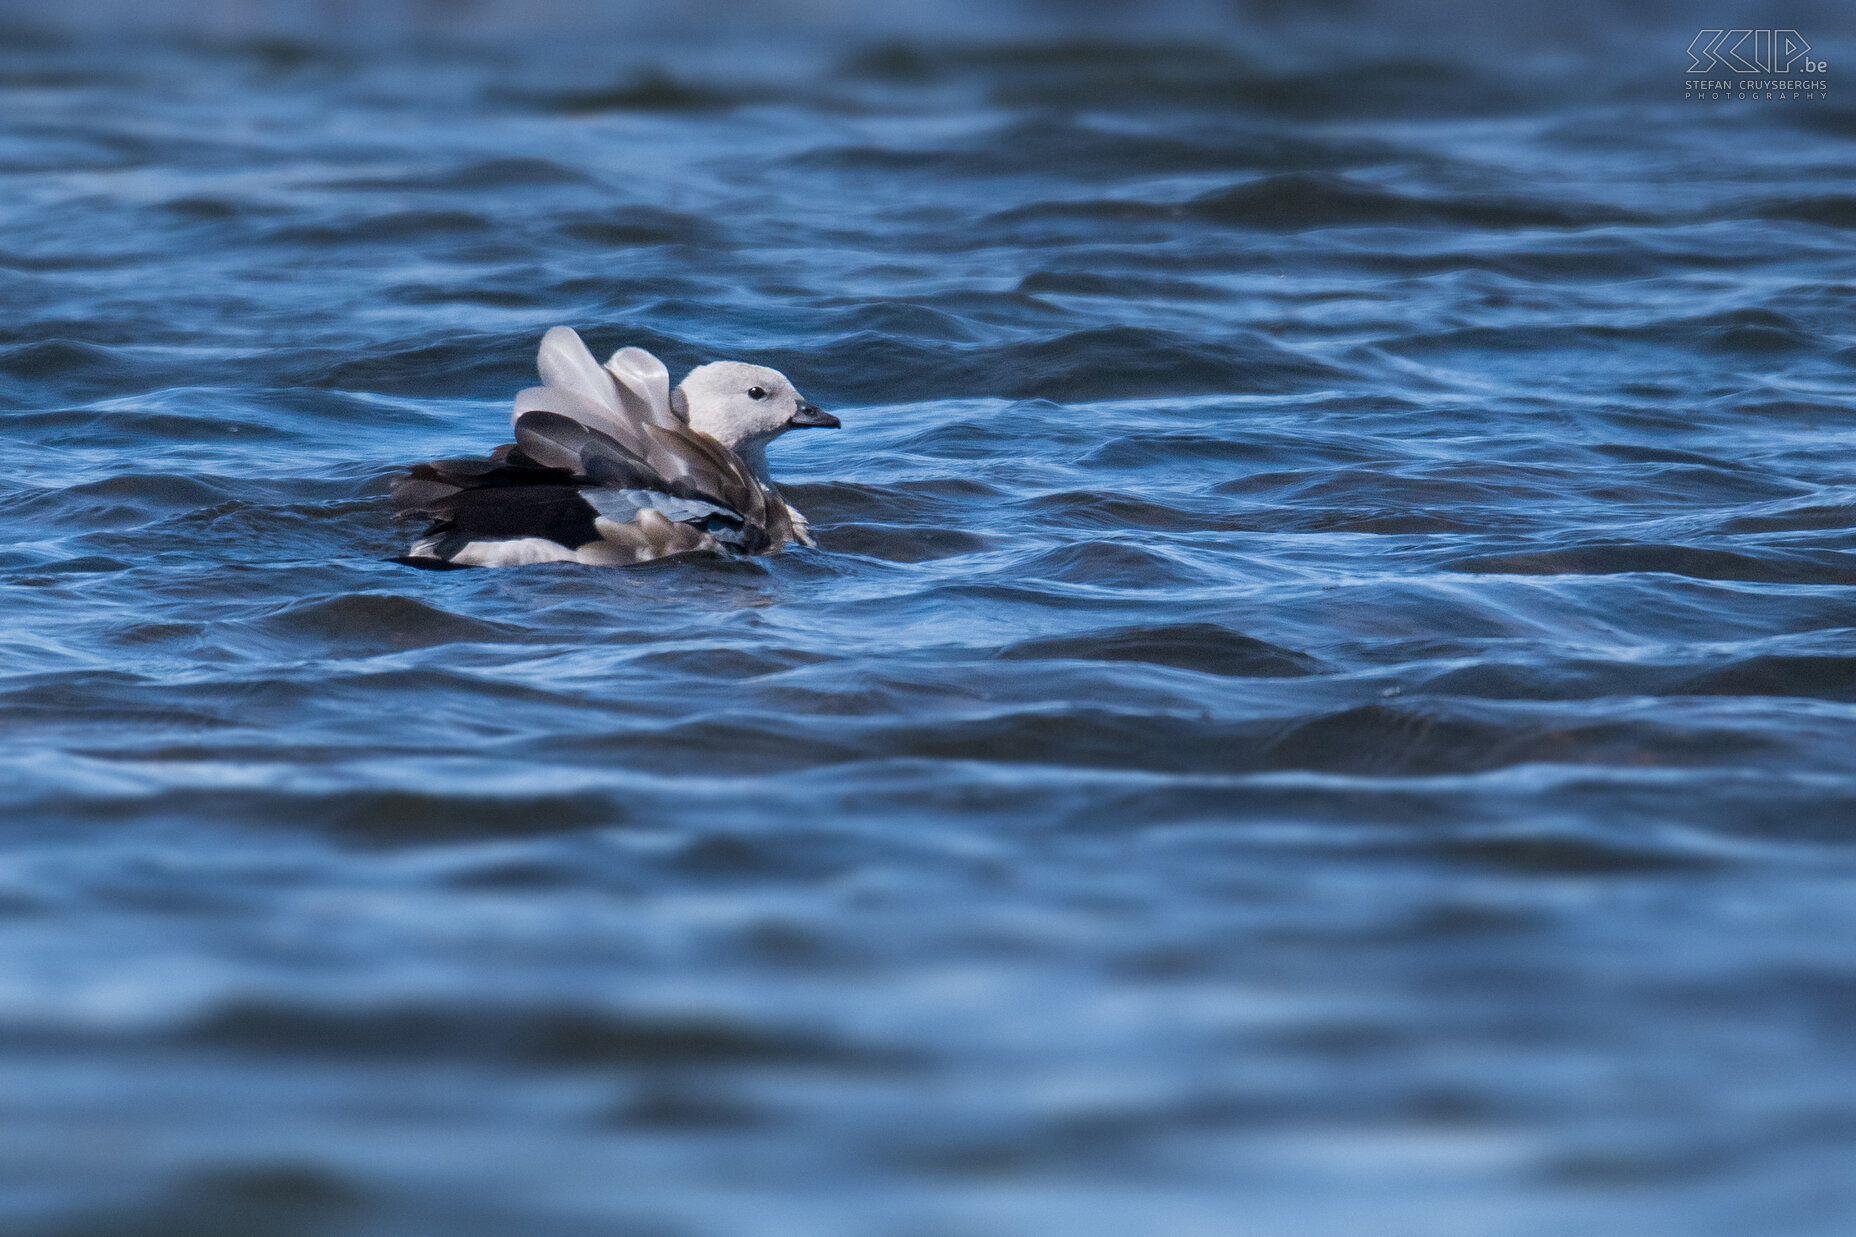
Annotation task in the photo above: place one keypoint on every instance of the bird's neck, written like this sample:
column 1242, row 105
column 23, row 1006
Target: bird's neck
column 754, row 454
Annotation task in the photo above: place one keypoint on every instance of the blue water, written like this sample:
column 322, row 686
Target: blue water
column 1324, row 703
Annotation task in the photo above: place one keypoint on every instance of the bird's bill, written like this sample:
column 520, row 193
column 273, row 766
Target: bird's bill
column 811, row 416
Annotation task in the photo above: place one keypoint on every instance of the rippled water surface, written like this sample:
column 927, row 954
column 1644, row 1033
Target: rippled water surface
column 1325, row 701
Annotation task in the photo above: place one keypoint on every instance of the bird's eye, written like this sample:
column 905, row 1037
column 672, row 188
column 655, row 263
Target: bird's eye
column 756, row 393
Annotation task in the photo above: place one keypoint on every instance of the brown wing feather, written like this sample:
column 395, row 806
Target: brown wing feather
column 673, row 460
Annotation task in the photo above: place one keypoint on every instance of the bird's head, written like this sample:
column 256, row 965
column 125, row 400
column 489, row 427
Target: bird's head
column 744, row 407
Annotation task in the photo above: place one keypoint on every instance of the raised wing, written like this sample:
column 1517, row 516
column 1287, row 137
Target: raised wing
column 644, row 385
column 569, row 369
column 632, row 388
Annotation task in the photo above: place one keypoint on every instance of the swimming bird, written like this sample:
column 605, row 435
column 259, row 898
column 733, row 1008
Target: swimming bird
column 612, row 467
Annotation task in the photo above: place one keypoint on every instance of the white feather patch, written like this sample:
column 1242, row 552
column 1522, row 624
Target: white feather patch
column 802, row 527
column 624, row 505
column 518, row 552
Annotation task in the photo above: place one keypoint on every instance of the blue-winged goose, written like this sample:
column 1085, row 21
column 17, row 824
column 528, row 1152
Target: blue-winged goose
column 610, row 466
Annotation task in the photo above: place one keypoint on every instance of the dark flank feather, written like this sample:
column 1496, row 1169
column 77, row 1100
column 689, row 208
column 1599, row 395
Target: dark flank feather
column 540, row 487
column 483, row 500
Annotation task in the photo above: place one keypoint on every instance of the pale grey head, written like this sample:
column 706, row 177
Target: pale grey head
column 745, row 407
